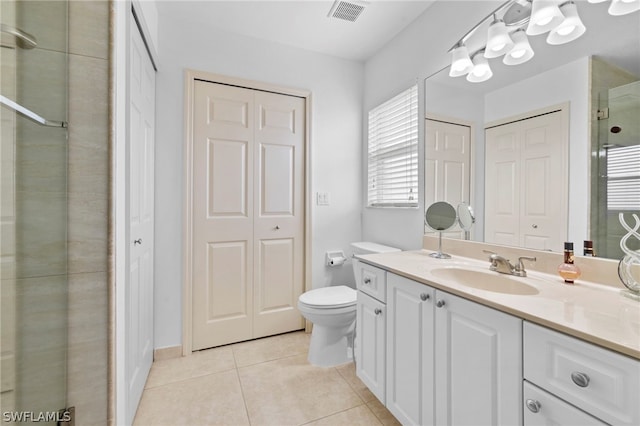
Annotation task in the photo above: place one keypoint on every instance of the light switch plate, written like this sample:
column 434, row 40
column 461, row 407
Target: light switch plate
column 322, row 198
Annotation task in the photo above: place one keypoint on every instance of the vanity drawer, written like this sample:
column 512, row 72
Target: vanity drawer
column 542, row 408
column 372, row 281
column 601, row 382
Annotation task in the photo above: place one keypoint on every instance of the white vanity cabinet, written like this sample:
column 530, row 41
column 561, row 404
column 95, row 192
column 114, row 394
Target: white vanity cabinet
column 478, row 364
column 370, row 345
column 602, row 383
column 449, row 360
column 410, row 336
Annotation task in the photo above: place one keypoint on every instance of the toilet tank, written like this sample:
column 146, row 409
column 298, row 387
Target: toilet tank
column 366, row 247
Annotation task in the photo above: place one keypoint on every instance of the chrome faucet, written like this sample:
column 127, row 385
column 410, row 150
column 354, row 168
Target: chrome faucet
column 504, row 266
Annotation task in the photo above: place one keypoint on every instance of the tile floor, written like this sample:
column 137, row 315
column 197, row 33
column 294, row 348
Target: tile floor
column 260, row 382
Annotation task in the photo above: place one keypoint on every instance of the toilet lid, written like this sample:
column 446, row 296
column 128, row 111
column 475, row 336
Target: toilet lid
column 330, row 297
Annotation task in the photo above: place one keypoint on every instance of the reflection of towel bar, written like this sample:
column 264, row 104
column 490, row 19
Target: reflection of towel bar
column 30, row 114
column 27, row 41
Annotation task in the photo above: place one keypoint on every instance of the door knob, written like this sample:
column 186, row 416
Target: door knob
column 138, row 241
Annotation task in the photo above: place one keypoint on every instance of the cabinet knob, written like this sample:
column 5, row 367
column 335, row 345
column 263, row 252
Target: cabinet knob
column 580, row 379
column 377, row 311
column 440, row 303
column 424, row 296
column 533, row 405
column 534, row 226
column 138, row 241
column 367, row 280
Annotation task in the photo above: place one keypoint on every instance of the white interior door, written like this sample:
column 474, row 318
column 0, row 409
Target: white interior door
column 279, row 219
column 447, row 165
column 222, row 214
column 139, row 291
column 247, row 213
column 526, row 197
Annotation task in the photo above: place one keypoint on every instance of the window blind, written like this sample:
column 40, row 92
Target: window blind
column 623, row 178
column 393, row 152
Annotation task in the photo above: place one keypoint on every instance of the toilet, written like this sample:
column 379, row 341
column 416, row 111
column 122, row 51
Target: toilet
column 332, row 310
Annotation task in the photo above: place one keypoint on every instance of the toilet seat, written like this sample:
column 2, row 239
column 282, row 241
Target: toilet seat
column 329, row 297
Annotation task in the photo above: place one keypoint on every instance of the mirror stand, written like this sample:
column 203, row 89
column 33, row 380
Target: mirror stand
column 439, row 254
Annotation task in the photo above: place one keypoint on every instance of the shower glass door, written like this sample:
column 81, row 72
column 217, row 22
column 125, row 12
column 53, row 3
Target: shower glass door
column 33, row 233
column 618, row 167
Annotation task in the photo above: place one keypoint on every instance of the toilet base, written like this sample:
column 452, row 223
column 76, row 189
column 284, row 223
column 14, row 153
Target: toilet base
column 330, row 346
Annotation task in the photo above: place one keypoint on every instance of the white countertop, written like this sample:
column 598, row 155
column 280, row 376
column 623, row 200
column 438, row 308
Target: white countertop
column 596, row 313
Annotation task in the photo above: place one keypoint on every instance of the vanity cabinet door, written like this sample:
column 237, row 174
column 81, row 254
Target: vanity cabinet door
column 478, row 358
column 370, row 344
column 410, row 331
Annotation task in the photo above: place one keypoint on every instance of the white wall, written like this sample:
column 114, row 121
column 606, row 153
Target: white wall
column 567, row 83
column 416, row 53
column 336, row 136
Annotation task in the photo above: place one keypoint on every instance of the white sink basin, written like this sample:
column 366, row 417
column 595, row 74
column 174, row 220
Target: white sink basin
column 486, row 280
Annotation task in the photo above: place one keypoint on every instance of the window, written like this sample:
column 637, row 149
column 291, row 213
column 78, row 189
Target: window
column 393, row 152
column 623, row 178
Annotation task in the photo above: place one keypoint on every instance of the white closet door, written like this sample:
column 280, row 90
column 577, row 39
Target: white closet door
column 447, row 165
column 222, row 214
column 502, row 185
column 139, row 291
column 526, row 195
column 248, row 213
column 279, row 212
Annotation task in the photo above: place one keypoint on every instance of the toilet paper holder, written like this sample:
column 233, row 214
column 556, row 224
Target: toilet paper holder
column 335, row 258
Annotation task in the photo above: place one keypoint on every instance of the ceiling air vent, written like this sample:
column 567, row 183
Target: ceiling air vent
column 347, row 10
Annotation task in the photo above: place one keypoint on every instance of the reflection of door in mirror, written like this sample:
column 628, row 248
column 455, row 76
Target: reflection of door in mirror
column 619, row 165
column 447, row 165
column 525, row 179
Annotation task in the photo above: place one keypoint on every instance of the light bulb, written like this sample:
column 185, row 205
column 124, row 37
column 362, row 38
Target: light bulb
column 569, row 29
column 521, row 51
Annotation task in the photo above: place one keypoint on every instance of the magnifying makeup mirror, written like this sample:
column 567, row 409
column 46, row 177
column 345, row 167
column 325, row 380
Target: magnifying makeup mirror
column 466, row 218
column 441, row 216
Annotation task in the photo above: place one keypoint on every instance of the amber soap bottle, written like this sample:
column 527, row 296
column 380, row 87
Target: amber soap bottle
column 567, row 269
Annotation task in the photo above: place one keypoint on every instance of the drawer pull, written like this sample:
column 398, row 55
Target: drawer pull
column 367, row 280
column 440, row 303
column 377, row 311
column 424, row 296
column 580, row 379
column 533, row 405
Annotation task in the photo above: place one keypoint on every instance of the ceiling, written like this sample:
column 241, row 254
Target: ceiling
column 303, row 23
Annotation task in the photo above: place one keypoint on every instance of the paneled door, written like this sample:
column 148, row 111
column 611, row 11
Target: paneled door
column 447, row 160
column 527, row 191
column 139, row 291
column 248, row 213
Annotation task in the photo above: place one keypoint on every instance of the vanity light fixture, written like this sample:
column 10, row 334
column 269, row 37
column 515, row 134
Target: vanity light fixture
column 460, row 62
column 521, row 51
column 498, row 40
column 481, row 70
column 623, row 7
column 570, row 29
column 513, row 21
column 545, row 16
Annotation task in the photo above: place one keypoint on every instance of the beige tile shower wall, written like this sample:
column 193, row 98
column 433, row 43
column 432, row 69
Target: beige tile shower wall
column 88, row 207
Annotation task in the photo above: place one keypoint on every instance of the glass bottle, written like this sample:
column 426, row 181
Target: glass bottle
column 588, row 248
column 567, row 269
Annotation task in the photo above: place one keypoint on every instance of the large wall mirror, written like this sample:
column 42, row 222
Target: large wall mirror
column 594, row 83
